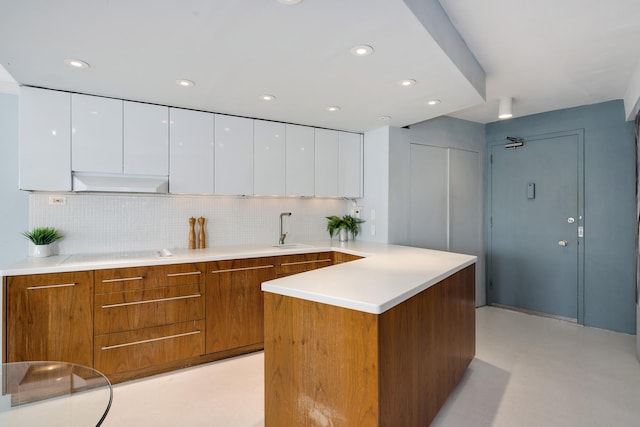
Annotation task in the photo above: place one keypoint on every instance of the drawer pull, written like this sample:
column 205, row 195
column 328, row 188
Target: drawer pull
column 124, row 279
column 62, row 285
column 242, row 269
column 191, row 273
column 168, row 337
column 123, row 304
column 306, row 262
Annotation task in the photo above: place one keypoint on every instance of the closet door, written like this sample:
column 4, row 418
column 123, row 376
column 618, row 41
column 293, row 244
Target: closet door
column 428, row 215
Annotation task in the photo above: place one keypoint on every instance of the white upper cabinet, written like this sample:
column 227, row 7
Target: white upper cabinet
column 326, row 163
column 96, row 135
column 233, row 155
column 192, row 152
column 45, row 140
column 268, row 158
column 146, row 139
column 300, row 161
column 350, row 165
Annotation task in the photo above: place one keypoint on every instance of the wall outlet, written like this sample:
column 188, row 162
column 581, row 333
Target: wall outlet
column 356, row 212
column 57, row 200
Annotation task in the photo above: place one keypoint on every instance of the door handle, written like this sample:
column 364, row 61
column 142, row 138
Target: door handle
column 562, row 243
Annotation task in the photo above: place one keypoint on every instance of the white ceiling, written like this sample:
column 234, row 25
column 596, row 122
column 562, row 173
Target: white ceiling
column 547, row 54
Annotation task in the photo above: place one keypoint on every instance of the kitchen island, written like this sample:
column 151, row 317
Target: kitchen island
column 380, row 341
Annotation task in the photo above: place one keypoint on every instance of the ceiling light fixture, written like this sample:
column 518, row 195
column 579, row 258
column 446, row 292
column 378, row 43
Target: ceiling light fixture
column 76, row 63
column 267, row 97
column 361, row 50
column 289, row 2
column 333, row 108
column 504, row 108
column 433, row 102
column 407, row 82
column 185, row 83
column 384, row 118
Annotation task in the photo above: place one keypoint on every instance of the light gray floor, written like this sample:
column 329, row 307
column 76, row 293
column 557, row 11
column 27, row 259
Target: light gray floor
column 529, row 371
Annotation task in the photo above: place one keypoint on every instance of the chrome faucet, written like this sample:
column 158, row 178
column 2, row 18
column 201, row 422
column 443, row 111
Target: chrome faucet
column 283, row 235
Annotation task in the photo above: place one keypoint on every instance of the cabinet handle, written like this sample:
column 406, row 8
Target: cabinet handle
column 168, row 337
column 62, row 285
column 123, row 304
column 242, row 269
column 306, row 262
column 191, row 273
column 124, row 279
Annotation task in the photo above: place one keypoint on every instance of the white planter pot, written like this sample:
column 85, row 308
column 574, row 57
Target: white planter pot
column 343, row 235
column 40, row 251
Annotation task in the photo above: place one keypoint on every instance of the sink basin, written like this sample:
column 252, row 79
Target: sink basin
column 291, row 246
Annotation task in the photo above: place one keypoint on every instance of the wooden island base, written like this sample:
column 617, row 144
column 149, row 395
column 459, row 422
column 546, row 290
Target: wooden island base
column 332, row 366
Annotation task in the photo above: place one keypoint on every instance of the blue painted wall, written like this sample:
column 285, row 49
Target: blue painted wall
column 609, row 204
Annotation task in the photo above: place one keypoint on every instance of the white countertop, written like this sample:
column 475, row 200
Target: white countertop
column 388, row 275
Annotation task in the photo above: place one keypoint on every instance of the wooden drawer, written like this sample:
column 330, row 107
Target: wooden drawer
column 340, row 257
column 134, row 278
column 49, row 317
column 293, row 264
column 144, row 308
column 128, row 351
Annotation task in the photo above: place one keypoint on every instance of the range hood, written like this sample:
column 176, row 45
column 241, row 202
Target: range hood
column 120, row 183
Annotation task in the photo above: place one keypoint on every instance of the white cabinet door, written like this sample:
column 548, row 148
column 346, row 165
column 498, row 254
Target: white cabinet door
column 300, row 161
column 45, row 140
column 191, row 135
column 233, row 155
column 326, row 163
column 96, row 134
column 350, row 165
column 269, row 158
column 146, row 139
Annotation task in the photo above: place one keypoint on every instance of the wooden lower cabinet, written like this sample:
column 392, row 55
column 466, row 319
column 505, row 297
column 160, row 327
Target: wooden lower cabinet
column 139, row 321
column 294, row 264
column 350, row 368
column 49, row 317
column 340, row 257
column 235, row 302
column 148, row 319
column 144, row 348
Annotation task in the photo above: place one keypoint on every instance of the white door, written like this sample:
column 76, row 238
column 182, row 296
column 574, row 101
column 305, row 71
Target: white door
column 233, row 155
column 268, row 158
column 326, row 163
column 300, row 168
column 96, row 134
column 191, row 165
column 349, row 165
column 146, row 139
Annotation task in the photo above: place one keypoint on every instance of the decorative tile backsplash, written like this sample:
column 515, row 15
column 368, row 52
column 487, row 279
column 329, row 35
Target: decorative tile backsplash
column 98, row 223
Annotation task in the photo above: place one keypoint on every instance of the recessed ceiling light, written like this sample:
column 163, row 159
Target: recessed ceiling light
column 407, row 82
column 185, row 83
column 289, row 2
column 76, row 63
column 267, row 97
column 384, row 118
column 361, row 50
column 333, row 108
column 433, row 102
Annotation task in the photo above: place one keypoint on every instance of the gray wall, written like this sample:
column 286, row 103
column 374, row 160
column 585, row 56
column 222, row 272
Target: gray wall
column 14, row 214
column 610, row 181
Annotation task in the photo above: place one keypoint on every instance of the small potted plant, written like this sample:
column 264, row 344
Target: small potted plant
column 343, row 226
column 42, row 238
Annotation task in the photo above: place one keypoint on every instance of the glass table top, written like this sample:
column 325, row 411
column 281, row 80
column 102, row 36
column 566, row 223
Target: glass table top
column 53, row 394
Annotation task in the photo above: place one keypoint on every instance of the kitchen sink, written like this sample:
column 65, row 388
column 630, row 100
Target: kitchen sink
column 291, row 246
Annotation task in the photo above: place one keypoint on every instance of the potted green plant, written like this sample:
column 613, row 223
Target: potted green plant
column 343, row 226
column 42, row 239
